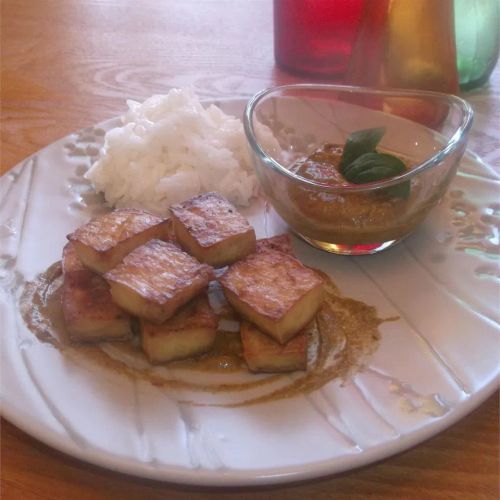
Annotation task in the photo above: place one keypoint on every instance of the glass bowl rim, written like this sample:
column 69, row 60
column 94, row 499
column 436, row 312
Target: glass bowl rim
column 453, row 143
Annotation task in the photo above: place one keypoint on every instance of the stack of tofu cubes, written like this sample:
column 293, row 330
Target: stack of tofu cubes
column 132, row 264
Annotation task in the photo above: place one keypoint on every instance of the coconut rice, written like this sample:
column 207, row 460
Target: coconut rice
column 171, row 148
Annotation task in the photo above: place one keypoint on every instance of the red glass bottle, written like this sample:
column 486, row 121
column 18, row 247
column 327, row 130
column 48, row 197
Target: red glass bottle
column 316, row 37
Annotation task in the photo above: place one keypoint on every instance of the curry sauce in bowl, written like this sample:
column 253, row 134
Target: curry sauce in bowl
column 357, row 218
column 345, row 205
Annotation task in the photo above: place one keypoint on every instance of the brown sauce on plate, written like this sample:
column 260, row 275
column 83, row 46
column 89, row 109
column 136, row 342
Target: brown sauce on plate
column 344, row 332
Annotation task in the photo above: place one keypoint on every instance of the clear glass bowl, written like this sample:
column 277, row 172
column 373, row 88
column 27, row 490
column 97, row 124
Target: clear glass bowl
column 427, row 130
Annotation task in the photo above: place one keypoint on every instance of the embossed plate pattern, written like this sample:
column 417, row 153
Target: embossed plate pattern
column 433, row 366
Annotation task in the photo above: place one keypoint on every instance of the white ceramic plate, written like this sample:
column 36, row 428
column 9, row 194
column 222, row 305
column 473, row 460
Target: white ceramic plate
column 433, row 366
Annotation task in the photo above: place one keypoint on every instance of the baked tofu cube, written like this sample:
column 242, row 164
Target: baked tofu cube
column 104, row 241
column 70, row 260
column 281, row 243
column 89, row 312
column 263, row 354
column 274, row 291
column 156, row 279
column 211, row 229
column 191, row 331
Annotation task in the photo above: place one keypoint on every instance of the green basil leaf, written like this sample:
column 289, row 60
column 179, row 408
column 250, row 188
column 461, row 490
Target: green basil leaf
column 359, row 165
column 359, row 143
column 401, row 190
column 372, row 167
column 374, row 174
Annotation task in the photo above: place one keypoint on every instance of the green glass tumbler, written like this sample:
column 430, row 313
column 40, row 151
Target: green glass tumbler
column 477, row 33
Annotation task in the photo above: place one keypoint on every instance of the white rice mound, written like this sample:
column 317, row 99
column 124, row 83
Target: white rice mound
column 171, row 148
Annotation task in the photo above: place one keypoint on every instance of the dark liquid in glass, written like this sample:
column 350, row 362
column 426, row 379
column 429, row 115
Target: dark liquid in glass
column 316, row 36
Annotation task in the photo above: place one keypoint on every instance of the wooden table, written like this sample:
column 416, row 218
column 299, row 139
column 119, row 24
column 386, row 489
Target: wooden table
column 67, row 64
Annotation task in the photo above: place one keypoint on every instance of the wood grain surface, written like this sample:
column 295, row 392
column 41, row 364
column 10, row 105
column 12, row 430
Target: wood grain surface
column 67, row 64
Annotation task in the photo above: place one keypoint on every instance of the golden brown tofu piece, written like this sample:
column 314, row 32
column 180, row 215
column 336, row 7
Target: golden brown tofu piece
column 211, row 229
column 274, row 291
column 281, row 243
column 191, row 331
column 156, row 279
column 263, row 354
column 104, row 241
column 70, row 260
column 89, row 312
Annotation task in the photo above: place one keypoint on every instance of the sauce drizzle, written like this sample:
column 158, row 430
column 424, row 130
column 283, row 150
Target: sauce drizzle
column 344, row 332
